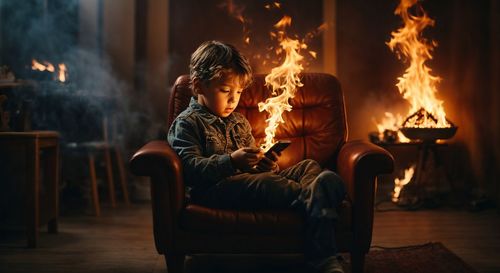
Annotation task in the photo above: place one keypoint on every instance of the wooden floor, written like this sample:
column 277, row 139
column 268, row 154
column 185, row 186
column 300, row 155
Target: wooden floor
column 473, row 236
column 121, row 240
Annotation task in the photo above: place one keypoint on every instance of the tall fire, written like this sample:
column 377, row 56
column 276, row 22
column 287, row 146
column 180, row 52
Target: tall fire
column 426, row 119
column 417, row 85
column 283, row 80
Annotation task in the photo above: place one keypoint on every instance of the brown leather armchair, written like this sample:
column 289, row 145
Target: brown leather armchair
column 318, row 130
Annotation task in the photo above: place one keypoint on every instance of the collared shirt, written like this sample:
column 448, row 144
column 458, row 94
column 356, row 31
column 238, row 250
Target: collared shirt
column 204, row 142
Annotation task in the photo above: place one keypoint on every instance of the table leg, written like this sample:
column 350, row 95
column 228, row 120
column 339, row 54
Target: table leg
column 53, row 178
column 33, row 192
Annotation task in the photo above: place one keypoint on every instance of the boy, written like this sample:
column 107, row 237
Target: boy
column 223, row 168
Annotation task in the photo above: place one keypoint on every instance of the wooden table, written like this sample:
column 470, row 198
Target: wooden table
column 34, row 144
column 434, row 167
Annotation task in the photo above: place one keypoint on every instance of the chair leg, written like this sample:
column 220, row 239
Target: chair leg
column 123, row 179
column 93, row 186
column 109, row 171
column 175, row 263
column 357, row 262
column 52, row 225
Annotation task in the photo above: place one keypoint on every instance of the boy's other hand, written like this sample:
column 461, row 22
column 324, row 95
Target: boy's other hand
column 268, row 163
column 246, row 157
column 273, row 156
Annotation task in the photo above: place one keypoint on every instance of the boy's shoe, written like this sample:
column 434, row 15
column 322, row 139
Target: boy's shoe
column 327, row 265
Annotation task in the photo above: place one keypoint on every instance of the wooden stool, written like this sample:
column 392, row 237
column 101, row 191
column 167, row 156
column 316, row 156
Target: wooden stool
column 104, row 147
column 34, row 143
column 93, row 148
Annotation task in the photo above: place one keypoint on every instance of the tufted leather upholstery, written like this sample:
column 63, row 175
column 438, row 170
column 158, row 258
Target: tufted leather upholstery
column 318, row 130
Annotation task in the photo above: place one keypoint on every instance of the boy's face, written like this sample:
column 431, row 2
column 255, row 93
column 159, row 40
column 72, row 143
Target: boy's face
column 220, row 96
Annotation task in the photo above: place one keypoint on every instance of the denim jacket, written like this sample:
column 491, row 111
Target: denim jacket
column 204, row 141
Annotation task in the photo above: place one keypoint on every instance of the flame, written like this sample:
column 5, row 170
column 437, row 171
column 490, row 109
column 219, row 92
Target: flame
column 320, row 29
column 391, row 122
column 62, row 72
column 236, row 11
column 400, row 183
column 286, row 21
column 283, row 81
column 50, row 67
column 273, row 5
column 35, row 65
column 417, row 85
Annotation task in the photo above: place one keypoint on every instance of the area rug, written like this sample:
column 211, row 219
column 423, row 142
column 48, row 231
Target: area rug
column 431, row 257
column 427, row 258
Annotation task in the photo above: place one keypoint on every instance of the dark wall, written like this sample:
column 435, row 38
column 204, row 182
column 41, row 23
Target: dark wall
column 367, row 68
column 44, row 30
column 193, row 22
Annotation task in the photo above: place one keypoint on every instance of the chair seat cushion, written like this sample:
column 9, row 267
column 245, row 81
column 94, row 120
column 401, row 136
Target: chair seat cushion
column 200, row 218
column 283, row 222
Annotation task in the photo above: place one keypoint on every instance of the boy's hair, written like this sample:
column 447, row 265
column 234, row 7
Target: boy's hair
column 212, row 58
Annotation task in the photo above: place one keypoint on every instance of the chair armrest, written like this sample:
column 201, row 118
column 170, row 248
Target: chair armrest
column 359, row 163
column 159, row 161
column 150, row 156
column 359, row 159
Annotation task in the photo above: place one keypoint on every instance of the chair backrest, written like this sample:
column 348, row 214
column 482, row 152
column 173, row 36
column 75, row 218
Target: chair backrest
column 316, row 125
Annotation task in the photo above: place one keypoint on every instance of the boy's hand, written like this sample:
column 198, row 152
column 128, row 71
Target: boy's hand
column 246, row 157
column 268, row 163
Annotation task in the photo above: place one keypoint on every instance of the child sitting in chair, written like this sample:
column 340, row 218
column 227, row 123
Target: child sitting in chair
column 224, row 168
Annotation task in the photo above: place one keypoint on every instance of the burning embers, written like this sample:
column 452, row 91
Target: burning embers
column 48, row 68
column 417, row 85
column 414, row 127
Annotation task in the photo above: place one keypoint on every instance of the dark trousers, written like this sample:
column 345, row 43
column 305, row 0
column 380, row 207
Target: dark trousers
column 306, row 186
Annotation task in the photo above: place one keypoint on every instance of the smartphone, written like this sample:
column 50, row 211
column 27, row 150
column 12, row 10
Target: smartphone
column 277, row 147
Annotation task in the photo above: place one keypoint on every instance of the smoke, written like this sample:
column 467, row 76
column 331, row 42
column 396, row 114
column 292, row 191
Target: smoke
column 50, row 31
column 32, row 29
